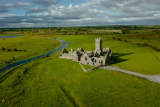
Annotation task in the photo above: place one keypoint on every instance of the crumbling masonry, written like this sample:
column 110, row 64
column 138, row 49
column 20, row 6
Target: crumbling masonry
column 100, row 57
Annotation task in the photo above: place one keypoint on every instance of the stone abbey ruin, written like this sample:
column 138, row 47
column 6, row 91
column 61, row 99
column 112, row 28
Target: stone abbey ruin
column 100, row 57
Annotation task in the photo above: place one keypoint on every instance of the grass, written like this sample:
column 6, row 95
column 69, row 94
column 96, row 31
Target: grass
column 34, row 45
column 44, row 83
column 141, row 59
column 53, row 81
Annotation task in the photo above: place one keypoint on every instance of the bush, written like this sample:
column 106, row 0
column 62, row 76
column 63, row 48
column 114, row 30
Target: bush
column 119, row 39
column 70, row 34
column 126, row 31
column 138, row 43
column 46, row 55
column 14, row 49
column 76, row 33
column 126, row 40
column 115, row 32
column 157, row 49
column 13, row 59
column 65, row 33
column 154, row 47
column 8, row 49
column 145, row 44
column 3, row 48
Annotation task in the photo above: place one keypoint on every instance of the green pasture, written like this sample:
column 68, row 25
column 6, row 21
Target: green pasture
column 60, row 82
column 57, row 82
column 34, row 44
column 136, row 58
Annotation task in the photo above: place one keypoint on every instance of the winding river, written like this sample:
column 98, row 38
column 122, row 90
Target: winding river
column 64, row 45
column 11, row 36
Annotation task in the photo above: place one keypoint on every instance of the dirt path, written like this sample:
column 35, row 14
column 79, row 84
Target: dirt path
column 153, row 78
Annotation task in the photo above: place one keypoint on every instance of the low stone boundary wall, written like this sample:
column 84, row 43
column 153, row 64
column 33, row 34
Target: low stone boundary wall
column 88, row 69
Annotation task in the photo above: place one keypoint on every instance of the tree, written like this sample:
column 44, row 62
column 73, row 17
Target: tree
column 125, row 30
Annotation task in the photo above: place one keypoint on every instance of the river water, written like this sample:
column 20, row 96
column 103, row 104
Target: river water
column 11, row 36
column 64, row 45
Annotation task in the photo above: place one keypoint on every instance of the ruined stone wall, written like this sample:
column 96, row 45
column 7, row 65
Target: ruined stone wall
column 64, row 55
column 85, row 59
column 99, row 61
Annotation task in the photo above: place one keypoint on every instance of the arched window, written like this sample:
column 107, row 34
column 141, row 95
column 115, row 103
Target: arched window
column 85, row 58
column 95, row 61
column 101, row 62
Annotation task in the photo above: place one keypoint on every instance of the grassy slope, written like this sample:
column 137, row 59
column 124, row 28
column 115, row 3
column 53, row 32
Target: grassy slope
column 45, row 82
column 34, row 45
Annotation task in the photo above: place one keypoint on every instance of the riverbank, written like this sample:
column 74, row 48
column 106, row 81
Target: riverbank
column 26, row 47
column 12, row 65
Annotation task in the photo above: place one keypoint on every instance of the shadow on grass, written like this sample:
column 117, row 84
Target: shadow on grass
column 117, row 58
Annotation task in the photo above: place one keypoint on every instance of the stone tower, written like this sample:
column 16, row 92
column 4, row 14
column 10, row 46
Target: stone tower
column 98, row 46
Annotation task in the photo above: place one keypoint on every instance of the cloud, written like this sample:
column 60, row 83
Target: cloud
column 3, row 10
column 45, row 2
column 74, row 12
column 36, row 10
column 90, row 13
column 19, row 4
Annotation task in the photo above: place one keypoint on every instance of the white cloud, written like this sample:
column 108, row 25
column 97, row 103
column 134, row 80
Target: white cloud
column 37, row 18
column 24, row 20
column 93, row 12
column 9, row 15
column 20, row 4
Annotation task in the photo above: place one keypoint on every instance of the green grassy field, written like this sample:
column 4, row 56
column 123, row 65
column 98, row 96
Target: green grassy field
column 34, row 45
column 53, row 81
column 136, row 58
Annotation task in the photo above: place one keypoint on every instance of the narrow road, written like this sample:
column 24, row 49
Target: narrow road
column 153, row 78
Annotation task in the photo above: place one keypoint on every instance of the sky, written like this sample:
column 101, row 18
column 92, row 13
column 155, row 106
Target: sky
column 70, row 13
